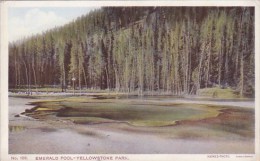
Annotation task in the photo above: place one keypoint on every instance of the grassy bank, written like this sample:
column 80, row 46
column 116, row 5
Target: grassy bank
column 216, row 92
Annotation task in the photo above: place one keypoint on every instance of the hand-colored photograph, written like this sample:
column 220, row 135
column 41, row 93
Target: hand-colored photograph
column 131, row 80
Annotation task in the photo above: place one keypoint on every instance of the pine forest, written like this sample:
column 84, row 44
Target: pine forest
column 143, row 50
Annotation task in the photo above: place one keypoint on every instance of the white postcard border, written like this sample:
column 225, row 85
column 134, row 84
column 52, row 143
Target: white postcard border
column 154, row 157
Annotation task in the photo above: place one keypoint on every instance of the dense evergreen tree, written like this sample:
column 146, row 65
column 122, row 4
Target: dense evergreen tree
column 177, row 50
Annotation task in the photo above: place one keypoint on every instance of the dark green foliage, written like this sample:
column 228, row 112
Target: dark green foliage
column 176, row 50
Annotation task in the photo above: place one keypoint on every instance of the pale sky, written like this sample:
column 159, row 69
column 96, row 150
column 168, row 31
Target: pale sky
column 27, row 21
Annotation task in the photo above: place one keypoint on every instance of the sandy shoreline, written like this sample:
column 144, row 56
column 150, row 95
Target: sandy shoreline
column 49, row 137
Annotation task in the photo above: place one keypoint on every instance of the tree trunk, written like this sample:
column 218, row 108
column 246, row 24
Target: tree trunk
column 84, row 75
column 200, row 64
column 27, row 78
column 35, row 80
column 219, row 66
column 209, row 61
column 79, row 80
column 242, row 74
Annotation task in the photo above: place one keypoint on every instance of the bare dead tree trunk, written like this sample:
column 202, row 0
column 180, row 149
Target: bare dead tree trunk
column 34, row 76
column 84, row 75
column 208, row 65
column 79, row 70
column 200, row 64
column 220, row 65
column 242, row 74
column 27, row 78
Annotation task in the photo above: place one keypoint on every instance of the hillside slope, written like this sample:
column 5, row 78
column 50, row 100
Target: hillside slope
column 177, row 50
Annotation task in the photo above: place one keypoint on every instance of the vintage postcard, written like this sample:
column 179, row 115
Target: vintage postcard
column 129, row 81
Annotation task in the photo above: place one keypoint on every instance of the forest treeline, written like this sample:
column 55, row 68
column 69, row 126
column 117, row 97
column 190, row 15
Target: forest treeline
column 178, row 50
